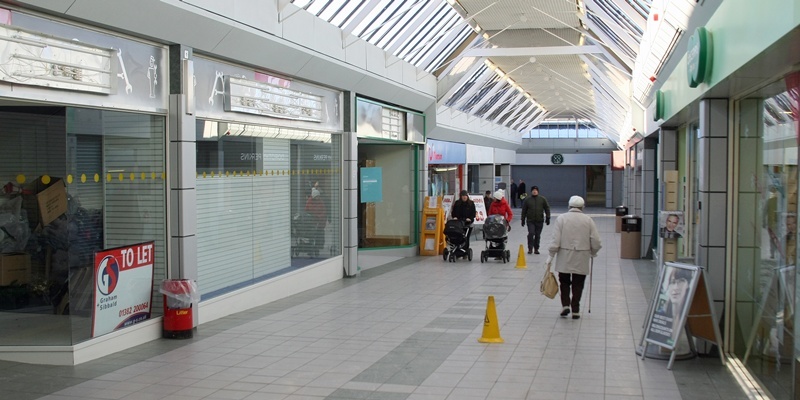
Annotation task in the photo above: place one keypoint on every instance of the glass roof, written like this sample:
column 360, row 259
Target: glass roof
column 421, row 32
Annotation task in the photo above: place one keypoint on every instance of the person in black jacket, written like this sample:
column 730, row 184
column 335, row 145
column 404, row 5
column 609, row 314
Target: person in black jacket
column 521, row 193
column 464, row 210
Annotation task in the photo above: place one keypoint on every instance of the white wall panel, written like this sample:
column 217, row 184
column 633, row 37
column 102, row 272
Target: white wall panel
column 479, row 154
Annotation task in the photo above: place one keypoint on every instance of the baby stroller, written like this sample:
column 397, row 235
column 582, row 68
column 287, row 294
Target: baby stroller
column 456, row 234
column 304, row 235
column 495, row 232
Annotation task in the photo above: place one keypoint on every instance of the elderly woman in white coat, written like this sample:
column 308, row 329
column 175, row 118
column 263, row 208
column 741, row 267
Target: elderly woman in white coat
column 575, row 241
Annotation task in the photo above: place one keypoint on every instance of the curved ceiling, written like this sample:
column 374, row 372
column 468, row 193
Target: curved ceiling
column 519, row 63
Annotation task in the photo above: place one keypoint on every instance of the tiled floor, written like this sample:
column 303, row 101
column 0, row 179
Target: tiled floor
column 406, row 330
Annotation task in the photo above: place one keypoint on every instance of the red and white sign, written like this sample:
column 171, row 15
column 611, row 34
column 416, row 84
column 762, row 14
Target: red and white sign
column 123, row 287
column 480, row 209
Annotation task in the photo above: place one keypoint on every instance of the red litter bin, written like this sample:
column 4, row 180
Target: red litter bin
column 179, row 297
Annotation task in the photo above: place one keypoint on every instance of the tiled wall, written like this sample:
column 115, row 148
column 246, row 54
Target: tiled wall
column 713, row 187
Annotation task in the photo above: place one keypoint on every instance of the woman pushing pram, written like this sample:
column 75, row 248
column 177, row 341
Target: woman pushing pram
column 459, row 228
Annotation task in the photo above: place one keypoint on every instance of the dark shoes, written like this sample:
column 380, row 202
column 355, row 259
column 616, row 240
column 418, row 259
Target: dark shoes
column 530, row 250
column 564, row 312
column 536, row 251
column 576, row 315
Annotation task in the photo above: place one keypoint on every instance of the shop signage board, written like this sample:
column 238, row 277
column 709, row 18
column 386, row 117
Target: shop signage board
column 699, row 56
column 446, row 153
column 371, row 185
column 123, row 287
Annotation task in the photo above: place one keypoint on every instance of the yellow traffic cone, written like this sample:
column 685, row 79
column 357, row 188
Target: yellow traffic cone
column 491, row 331
column 521, row 263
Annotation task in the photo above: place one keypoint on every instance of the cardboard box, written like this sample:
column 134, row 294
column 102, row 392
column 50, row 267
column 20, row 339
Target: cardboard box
column 671, row 176
column 15, row 267
column 52, row 202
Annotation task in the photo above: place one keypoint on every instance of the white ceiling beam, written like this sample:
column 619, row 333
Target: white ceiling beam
column 631, row 13
column 447, row 40
column 359, row 18
column 532, row 51
column 501, row 101
column 510, row 121
column 513, row 102
column 623, row 33
column 609, row 43
column 526, row 118
column 465, row 77
column 488, row 96
column 479, row 83
column 413, row 28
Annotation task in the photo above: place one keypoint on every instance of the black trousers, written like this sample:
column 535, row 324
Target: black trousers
column 534, row 234
column 575, row 283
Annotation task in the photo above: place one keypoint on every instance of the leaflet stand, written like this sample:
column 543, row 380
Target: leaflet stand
column 432, row 239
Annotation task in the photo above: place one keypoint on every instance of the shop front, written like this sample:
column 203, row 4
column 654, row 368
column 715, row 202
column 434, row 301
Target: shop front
column 389, row 145
column 84, row 188
column 268, row 176
column 446, row 167
column 734, row 149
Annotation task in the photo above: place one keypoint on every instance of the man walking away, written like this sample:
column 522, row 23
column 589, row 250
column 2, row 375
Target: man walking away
column 487, row 200
column 521, row 193
column 513, row 194
column 536, row 213
column 575, row 242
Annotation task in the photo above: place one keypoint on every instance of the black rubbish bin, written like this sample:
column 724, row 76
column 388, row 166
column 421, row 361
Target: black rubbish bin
column 621, row 212
column 631, row 240
column 179, row 297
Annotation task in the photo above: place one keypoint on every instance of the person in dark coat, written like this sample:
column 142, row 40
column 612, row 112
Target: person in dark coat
column 513, row 194
column 488, row 199
column 521, row 193
column 464, row 210
column 536, row 213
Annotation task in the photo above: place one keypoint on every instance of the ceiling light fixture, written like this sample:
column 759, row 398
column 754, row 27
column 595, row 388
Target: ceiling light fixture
column 532, row 60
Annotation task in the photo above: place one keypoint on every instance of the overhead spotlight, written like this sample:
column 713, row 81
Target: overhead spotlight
column 451, row 2
column 532, row 60
column 478, row 28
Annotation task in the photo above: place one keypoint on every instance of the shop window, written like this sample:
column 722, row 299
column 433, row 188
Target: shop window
column 268, row 202
column 76, row 181
column 764, row 319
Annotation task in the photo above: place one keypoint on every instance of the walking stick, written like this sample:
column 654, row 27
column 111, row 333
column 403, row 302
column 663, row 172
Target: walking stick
column 591, row 270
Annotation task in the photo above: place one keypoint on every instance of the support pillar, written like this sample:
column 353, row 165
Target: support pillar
column 350, row 187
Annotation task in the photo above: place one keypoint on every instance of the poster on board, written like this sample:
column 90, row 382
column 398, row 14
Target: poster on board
column 447, row 204
column 480, row 209
column 676, row 287
column 670, row 224
column 123, row 287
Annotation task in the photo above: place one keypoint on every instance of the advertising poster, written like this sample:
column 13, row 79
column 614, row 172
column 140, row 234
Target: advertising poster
column 670, row 224
column 447, row 204
column 480, row 209
column 371, row 185
column 123, row 287
column 676, row 287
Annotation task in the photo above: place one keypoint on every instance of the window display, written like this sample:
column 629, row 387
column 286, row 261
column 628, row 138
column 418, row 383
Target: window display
column 75, row 182
column 268, row 202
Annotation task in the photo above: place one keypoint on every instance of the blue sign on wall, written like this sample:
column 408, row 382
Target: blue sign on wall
column 371, row 185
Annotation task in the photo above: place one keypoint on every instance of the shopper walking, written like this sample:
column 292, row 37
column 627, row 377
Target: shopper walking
column 500, row 207
column 521, row 193
column 575, row 242
column 514, row 194
column 536, row 213
column 487, row 200
column 464, row 210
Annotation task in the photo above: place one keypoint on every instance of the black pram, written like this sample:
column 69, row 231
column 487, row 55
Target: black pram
column 495, row 233
column 456, row 234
